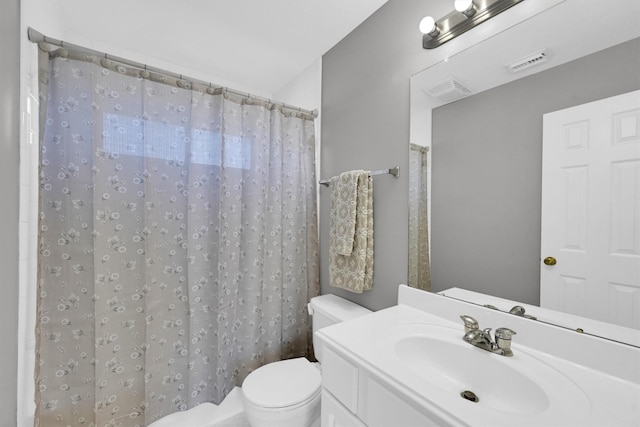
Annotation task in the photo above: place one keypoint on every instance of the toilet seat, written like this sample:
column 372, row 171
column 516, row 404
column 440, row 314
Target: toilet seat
column 284, row 384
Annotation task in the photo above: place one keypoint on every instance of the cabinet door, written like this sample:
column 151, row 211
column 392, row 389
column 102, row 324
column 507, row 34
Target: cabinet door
column 340, row 377
column 381, row 407
column 336, row 415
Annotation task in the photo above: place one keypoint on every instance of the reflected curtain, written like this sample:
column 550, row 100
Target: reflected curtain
column 419, row 271
column 178, row 242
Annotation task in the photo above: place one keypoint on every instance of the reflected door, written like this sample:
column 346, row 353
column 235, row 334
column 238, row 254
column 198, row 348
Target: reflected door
column 590, row 259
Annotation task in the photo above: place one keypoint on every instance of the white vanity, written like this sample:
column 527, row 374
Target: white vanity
column 408, row 366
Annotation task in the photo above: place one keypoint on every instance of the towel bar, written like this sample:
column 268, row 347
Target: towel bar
column 395, row 171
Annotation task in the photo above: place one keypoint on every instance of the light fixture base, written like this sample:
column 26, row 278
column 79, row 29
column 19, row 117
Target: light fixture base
column 456, row 23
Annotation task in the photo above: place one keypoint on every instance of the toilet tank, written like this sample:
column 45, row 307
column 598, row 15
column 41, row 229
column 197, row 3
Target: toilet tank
column 327, row 310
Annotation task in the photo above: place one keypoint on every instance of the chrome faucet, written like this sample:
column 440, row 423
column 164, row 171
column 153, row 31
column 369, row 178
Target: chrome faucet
column 482, row 338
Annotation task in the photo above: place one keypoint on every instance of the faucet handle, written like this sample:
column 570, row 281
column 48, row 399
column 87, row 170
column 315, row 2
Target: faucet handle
column 518, row 310
column 470, row 323
column 504, row 333
column 503, row 341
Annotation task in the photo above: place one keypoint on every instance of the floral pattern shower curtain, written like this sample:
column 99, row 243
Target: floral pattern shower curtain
column 178, row 243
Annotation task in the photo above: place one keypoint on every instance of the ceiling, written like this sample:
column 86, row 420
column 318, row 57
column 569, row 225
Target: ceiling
column 252, row 45
column 259, row 46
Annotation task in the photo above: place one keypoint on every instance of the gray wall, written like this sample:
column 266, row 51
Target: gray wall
column 9, row 159
column 487, row 172
column 365, row 125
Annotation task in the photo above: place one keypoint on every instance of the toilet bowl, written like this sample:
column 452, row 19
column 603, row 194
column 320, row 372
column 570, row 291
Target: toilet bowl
column 287, row 393
column 283, row 394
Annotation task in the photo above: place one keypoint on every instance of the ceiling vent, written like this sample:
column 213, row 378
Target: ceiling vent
column 528, row 61
column 449, row 90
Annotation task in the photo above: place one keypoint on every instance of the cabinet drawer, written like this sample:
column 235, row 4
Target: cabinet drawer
column 340, row 378
column 336, row 415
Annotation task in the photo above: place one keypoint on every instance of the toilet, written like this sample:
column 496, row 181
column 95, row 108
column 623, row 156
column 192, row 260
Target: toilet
column 287, row 393
column 280, row 394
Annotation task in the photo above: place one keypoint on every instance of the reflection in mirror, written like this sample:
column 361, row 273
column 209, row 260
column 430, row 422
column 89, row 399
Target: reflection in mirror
column 486, row 149
column 419, row 276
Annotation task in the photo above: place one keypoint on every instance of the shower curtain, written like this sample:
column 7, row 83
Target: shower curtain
column 178, row 242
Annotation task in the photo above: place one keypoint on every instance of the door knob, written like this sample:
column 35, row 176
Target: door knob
column 550, row 261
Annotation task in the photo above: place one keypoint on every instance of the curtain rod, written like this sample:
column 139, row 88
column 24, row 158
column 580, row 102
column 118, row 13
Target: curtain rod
column 395, row 171
column 37, row 37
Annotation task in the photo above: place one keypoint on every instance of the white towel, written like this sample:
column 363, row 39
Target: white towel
column 351, row 231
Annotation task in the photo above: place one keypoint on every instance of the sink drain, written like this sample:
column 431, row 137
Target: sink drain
column 469, row 395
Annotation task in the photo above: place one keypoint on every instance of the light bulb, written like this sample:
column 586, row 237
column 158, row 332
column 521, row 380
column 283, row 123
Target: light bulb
column 462, row 5
column 466, row 7
column 428, row 26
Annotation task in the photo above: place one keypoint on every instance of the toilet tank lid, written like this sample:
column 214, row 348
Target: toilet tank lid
column 336, row 308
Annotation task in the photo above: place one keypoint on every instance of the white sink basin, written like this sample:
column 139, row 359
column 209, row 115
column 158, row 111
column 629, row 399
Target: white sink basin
column 522, row 384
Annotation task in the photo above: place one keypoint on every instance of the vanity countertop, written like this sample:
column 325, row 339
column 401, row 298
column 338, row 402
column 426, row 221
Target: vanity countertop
column 571, row 383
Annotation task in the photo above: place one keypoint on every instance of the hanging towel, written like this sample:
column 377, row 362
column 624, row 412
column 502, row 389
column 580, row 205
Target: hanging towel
column 344, row 201
column 351, row 231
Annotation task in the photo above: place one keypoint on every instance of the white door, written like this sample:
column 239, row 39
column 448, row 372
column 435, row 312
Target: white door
column 591, row 210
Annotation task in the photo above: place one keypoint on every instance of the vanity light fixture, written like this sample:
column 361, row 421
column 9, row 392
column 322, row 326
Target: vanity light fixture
column 467, row 14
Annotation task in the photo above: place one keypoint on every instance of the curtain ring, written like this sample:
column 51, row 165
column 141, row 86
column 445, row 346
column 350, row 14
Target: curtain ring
column 105, row 62
column 62, row 52
column 144, row 73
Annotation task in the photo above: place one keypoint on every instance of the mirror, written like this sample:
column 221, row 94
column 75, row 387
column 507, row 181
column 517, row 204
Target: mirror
column 485, row 184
